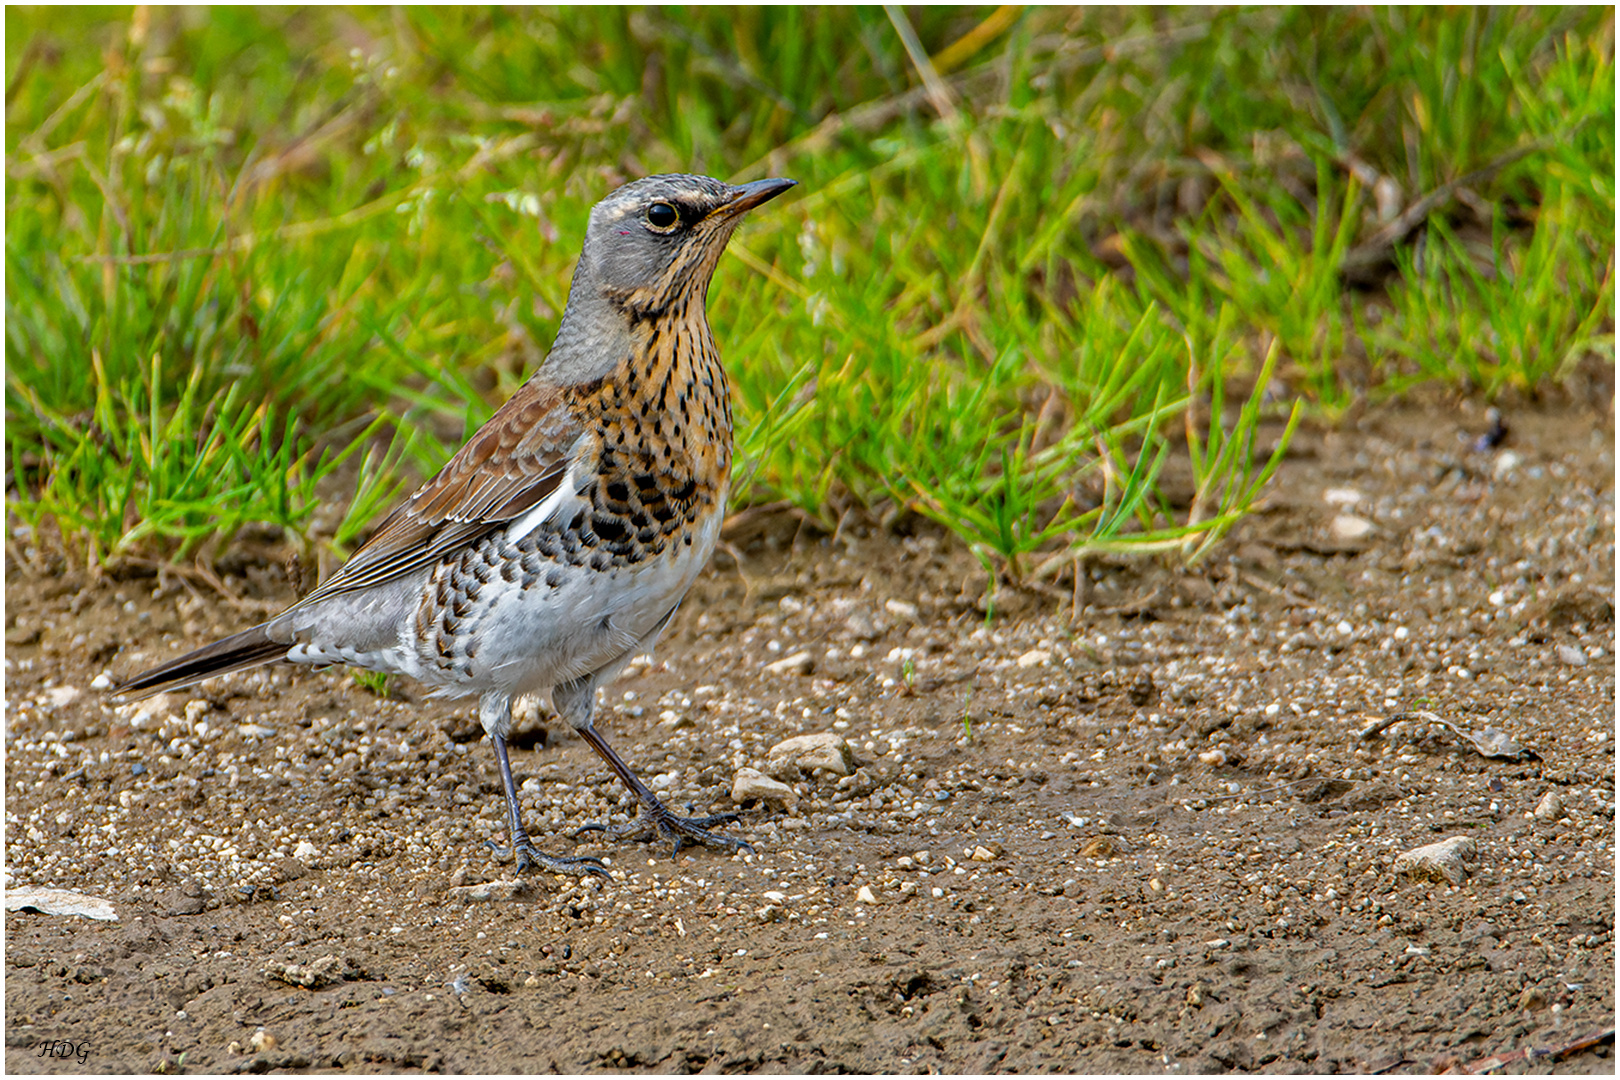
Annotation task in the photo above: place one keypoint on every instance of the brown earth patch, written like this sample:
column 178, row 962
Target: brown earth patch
column 1147, row 839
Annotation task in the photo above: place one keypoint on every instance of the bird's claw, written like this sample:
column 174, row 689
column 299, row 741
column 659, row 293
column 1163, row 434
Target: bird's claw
column 528, row 855
column 655, row 822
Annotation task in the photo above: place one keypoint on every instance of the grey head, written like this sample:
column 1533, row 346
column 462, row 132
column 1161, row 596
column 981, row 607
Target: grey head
column 650, row 251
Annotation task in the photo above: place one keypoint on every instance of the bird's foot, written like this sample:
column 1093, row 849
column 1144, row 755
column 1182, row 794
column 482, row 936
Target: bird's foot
column 528, row 855
column 657, row 821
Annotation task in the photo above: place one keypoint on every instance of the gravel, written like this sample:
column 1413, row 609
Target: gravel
column 1188, row 841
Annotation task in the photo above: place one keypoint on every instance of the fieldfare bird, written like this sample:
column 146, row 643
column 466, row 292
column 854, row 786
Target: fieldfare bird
column 556, row 545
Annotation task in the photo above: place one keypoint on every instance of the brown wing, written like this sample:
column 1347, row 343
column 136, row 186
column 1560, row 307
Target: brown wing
column 508, row 467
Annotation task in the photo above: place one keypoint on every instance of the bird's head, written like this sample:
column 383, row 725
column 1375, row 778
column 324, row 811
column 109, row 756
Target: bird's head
column 650, row 250
column 654, row 243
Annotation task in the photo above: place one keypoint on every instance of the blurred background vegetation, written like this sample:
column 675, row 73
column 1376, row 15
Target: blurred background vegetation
column 1041, row 262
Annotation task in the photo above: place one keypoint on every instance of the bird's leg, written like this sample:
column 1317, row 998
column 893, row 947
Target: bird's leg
column 523, row 848
column 655, row 820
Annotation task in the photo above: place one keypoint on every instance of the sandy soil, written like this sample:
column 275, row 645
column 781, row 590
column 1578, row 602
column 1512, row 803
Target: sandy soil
column 1154, row 839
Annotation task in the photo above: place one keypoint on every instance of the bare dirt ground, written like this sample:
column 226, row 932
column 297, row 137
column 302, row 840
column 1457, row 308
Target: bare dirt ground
column 1152, row 840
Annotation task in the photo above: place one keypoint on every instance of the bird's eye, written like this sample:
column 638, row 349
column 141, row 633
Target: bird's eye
column 661, row 215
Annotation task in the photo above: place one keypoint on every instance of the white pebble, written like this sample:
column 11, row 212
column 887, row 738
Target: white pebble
column 900, row 609
column 753, row 784
column 1572, row 656
column 1350, row 527
column 61, row 902
column 799, row 663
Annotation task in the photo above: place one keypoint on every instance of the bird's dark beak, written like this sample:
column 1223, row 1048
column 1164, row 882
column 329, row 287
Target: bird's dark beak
column 747, row 196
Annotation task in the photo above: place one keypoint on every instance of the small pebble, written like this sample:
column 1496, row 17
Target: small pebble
column 1350, row 527
column 900, row 609
column 1442, row 861
column 860, row 627
column 326, row 971
column 751, row 784
column 811, row 752
column 487, row 891
column 1572, row 655
column 1099, row 847
column 799, row 663
column 62, row 696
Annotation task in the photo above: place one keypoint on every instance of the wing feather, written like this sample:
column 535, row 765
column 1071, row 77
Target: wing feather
column 508, row 467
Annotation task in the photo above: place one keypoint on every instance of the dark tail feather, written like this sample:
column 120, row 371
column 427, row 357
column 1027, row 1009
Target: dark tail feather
column 248, row 649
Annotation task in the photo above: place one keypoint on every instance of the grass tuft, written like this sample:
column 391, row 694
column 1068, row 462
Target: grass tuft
column 257, row 257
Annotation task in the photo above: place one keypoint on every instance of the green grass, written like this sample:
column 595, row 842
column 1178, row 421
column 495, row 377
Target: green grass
column 247, row 250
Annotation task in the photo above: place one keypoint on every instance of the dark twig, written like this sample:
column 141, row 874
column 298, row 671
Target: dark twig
column 1361, row 261
column 1490, row 742
column 1534, row 1053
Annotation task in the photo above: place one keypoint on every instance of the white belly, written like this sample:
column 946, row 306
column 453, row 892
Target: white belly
column 592, row 619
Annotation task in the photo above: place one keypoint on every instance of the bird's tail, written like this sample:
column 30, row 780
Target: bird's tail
column 248, row 649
